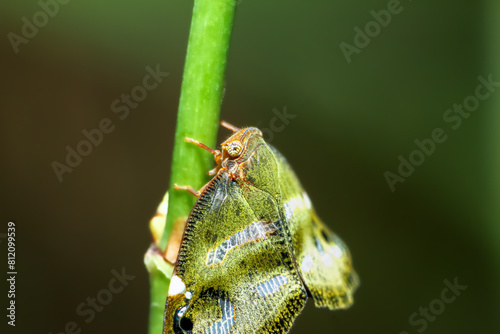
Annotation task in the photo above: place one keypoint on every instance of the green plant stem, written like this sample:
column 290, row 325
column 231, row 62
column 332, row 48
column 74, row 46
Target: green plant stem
column 158, row 283
column 198, row 117
column 199, row 107
column 160, row 273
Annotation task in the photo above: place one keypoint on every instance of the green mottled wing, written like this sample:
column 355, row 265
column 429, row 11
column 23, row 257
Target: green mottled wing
column 235, row 272
column 322, row 258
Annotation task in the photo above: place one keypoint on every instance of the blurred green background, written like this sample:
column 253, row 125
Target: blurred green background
column 352, row 121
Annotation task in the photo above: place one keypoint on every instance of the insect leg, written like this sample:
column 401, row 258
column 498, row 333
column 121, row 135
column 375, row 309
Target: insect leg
column 188, row 188
column 217, row 154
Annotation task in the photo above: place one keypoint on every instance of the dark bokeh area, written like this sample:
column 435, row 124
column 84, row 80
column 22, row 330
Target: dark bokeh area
column 349, row 122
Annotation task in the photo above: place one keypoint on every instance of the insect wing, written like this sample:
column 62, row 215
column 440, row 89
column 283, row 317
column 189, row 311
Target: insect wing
column 322, row 258
column 235, row 273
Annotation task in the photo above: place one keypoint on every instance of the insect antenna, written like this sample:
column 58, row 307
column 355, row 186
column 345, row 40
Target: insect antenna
column 229, row 126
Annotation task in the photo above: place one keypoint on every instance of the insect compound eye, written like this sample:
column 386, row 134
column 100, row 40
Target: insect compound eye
column 182, row 325
column 234, row 148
